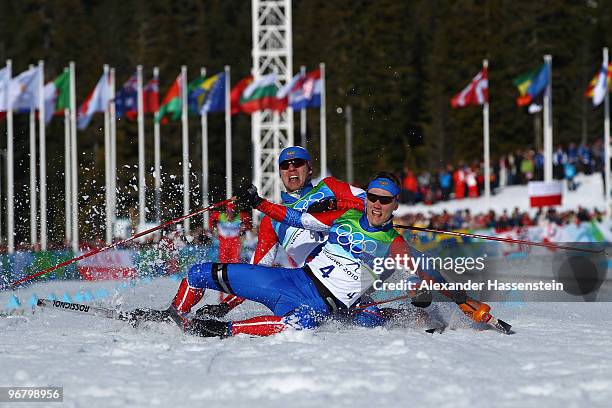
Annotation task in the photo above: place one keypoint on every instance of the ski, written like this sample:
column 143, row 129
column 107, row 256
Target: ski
column 84, row 309
column 438, row 330
column 499, row 325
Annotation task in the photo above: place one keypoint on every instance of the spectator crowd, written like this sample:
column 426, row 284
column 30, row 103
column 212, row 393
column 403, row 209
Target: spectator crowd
column 520, row 167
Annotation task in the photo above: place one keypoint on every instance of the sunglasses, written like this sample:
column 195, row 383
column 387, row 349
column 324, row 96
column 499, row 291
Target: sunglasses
column 297, row 163
column 384, row 200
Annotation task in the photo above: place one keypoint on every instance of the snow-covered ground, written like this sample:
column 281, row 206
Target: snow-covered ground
column 589, row 194
column 559, row 356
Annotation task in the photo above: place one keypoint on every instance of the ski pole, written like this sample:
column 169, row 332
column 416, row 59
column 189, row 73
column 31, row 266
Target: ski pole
column 500, row 239
column 133, row 237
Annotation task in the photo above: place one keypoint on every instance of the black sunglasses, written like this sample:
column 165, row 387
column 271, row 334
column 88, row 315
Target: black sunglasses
column 384, row 200
column 297, row 163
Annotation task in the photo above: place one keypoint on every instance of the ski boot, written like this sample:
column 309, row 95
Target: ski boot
column 475, row 310
column 219, row 310
column 208, row 328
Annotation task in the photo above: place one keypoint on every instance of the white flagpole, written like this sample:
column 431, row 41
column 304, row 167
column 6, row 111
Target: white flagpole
column 486, row 146
column 349, row 143
column 157, row 157
column 228, row 134
column 607, row 138
column 107, row 169
column 204, row 123
column 185, row 124
column 74, row 165
column 548, row 144
column 33, row 198
column 303, row 116
column 113, row 150
column 10, row 209
column 141, row 152
column 323, row 124
column 43, row 156
column 67, row 172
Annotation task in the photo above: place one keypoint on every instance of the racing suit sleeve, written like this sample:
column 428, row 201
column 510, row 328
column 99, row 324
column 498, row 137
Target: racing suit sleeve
column 400, row 247
column 314, row 222
column 347, row 196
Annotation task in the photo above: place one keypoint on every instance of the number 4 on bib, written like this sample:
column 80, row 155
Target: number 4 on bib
column 326, row 270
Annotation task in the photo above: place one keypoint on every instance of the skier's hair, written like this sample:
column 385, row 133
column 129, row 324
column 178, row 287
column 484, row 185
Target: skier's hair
column 387, row 175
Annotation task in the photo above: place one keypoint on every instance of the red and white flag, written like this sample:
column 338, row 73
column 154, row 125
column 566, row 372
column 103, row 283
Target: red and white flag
column 543, row 194
column 97, row 101
column 476, row 93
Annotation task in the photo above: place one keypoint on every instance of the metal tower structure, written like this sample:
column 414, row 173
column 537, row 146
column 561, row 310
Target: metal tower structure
column 272, row 53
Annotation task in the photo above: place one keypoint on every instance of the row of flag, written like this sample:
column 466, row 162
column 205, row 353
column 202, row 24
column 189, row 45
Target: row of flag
column 531, row 87
column 205, row 95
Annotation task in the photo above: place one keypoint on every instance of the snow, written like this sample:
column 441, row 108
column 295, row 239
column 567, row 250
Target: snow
column 559, row 356
column 589, row 194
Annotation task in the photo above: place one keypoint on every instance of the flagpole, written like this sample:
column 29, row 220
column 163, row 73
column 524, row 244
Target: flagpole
column 607, row 136
column 349, row 143
column 204, row 123
column 303, row 116
column 157, row 154
column 107, row 168
column 43, row 156
column 185, row 125
column 10, row 209
column 486, row 144
column 141, row 152
column 113, row 150
column 323, row 124
column 33, row 199
column 67, row 171
column 74, row 165
column 228, row 134
column 548, row 136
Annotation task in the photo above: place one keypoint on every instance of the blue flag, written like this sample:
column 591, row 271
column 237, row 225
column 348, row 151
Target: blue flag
column 126, row 100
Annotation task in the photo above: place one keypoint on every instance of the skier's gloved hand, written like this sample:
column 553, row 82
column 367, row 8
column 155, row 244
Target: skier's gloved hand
column 422, row 298
column 247, row 197
column 219, row 310
column 475, row 310
column 329, row 204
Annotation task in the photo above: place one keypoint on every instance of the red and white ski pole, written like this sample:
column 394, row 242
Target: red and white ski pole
column 133, row 237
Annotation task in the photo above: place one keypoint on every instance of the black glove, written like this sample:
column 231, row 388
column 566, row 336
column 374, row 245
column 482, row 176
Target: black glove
column 422, row 299
column 328, row 204
column 219, row 310
column 247, row 197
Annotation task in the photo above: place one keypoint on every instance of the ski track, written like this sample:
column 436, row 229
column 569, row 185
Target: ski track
column 559, row 356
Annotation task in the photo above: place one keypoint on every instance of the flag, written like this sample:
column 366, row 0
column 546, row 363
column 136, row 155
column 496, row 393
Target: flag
column 215, row 99
column 126, row 100
column 195, row 95
column 151, row 96
column 476, row 93
column 544, row 194
column 57, row 95
column 260, row 94
column 171, row 104
column 303, row 91
column 97, row 101
column 7, row 99
column 531, row 85
column 26, row 85
column 605, row 81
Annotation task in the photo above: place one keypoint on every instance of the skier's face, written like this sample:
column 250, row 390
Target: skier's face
column 294, row 174
column 378, row 212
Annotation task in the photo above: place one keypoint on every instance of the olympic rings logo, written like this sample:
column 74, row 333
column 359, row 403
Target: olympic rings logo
column 357, row 241
column 313, row 198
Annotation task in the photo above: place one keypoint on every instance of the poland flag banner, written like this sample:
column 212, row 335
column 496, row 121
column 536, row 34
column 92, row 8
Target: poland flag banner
column 543, row 194
column 476, row 93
